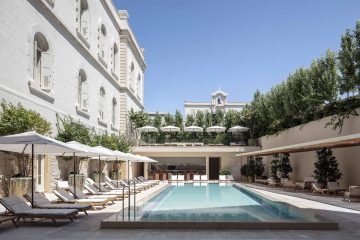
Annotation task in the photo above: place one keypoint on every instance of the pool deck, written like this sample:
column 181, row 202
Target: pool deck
column 87, row 227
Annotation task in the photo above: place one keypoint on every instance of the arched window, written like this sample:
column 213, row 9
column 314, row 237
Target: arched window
column 131, row 75
column 102, row 104
column 102, row 44
column 139, row 85
column 42, row 62
column 115, row 60
column 219, row 100
column 83, row 96
column 83, row 18
column 114, row 111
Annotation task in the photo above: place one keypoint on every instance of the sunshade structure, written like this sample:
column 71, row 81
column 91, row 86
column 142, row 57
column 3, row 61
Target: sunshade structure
column 147, row 129
column 215, row 129
column 102, row 152
column 170, row 129
column 194, row 129
column 33, row 143
column 336, row 142
column 238, row 129
column 139, row 158
column 88, row 152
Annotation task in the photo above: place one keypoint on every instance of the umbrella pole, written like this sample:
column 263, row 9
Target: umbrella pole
column 128, row 168
column 117, row 177
column 32, row 175
column 74, row 175
column 99, row 173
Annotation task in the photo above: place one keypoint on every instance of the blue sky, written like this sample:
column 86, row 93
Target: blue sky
column 193, row 47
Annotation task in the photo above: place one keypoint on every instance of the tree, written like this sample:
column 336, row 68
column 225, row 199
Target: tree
column 208, row 119
column 168, row 119
column 255, row 167
column 347, row 66
column 178, row 119
column 71, row 130
column 357, row 55
column 157, row 121
column 326, row 167
column 16, row 119
column 218, row 118
column 200, row 119
column 189, row 120
column 284, row 165
column 274, row 167
column 138, row 119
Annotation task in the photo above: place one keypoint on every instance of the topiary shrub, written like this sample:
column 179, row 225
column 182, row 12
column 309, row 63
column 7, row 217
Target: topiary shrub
column 225, row 171
column 326, row 167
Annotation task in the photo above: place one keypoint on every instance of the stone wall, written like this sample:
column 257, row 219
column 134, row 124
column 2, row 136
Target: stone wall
column 303, row 163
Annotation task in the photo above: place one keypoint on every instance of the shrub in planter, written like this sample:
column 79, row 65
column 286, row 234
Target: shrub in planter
column 285, row 166
column 225, row 171
column 275, row 163
column 326, row 167
column 244, row 170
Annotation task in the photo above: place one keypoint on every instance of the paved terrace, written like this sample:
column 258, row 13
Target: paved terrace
column 87, row 227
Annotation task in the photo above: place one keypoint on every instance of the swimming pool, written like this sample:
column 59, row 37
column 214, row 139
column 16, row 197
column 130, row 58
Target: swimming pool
column 204, row 204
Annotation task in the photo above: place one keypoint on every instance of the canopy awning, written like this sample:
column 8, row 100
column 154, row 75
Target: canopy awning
column 335, row 142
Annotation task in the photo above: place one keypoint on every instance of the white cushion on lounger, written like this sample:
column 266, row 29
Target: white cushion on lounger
column 204, row 177
column 222, row 177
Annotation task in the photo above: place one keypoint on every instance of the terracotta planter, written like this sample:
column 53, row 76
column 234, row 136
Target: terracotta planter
column 19, row 186
column 80, row 180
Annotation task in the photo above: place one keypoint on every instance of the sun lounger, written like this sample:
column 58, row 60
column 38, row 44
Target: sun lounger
column 306, row 184
column 273, row 182
column 173, row 178
column 318, row 188
column 65, row 197
column 137, row 188
column 354, row 192
column 149, row 181
column 81, row 195
column 204, row 178
column 222, row 178
column 40, row 201
column 181, row 178
column 19, row 208
column 141, row 183
column 229, row 178
column 289, row 184
column 8, row 218
column 333, row 187
column 196, row 178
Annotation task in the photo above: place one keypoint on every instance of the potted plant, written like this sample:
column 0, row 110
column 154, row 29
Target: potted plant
column 284, row 167
column 326, row 167
column 244, row 171
column 16, row 119
column 225, row 171
column 274, row 168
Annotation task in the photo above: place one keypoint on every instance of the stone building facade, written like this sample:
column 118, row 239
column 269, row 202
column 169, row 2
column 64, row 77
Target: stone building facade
column 75, row 58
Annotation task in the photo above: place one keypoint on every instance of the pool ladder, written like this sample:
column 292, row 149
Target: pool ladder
column 129, row 200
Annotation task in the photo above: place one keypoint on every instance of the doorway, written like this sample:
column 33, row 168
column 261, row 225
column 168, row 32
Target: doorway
column 214, row 168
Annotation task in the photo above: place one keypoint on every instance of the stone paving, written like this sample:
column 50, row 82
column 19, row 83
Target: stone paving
column 87, row 227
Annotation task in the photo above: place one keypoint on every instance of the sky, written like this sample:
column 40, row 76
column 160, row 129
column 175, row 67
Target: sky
column 194, row 47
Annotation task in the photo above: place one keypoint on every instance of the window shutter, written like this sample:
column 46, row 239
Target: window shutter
column 45, row 71
column 85, row 24
column 78, row 15
column 84, row 95
column 35, row 60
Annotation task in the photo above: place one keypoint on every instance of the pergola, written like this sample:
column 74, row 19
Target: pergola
column 335, row 142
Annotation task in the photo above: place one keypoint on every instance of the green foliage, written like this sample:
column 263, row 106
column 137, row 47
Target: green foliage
column 200, row 119
column 138, row 119
column 326, row 167
column 255, row 167
column 244, row 170
column 218, row 118
column 274, row 167
column 189, row 120
column 72, row 130
column 284, row 165
column 17, row 119
column 169, row 120
column 225, row 171
column 178, row 119
column 157, row 121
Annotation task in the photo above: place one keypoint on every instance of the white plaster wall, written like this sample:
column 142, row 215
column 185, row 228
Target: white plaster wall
column 17, row 29
column 303, row 163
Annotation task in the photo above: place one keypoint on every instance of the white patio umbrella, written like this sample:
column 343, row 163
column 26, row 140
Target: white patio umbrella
column 194, row 129
column 33, row 143
column 170, row 129
column 103, row 152
column 216, row 129
column 90, row 152
column 147, row 129
column 238, row 129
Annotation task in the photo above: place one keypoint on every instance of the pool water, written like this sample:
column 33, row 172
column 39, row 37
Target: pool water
column 216, row 202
